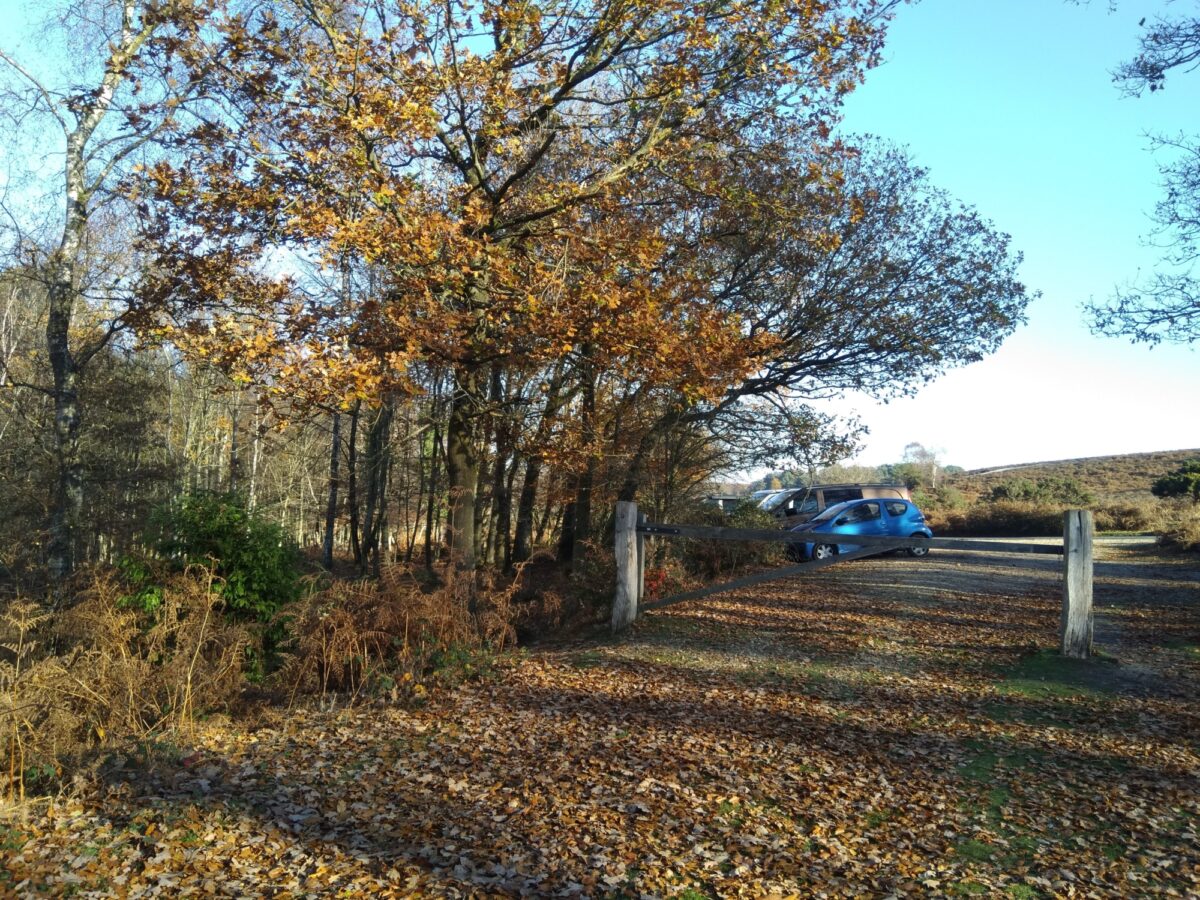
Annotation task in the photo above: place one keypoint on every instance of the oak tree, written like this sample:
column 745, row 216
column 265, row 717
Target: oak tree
column 1166, row 307
column 496, row 164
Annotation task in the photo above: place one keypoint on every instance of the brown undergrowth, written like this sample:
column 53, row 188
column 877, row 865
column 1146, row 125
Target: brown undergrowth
column 355, row 637
column 103, row 671
column 106, row 671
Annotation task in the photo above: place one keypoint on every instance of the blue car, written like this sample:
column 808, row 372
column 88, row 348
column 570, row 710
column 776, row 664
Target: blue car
column 879, row 517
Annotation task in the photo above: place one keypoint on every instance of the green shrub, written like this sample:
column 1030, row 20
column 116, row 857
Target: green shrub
column 1178, row 525
column 1049, row 490
column 944, row 499
column 1183, row 482
column 1004, row 518
column 257, row 565
column 1149, row 515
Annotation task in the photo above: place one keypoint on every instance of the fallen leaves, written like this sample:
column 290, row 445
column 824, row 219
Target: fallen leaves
column 805, row 740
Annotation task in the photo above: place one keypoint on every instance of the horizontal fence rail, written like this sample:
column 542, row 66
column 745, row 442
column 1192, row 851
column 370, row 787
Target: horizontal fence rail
column 781, row 536
column 632, row 530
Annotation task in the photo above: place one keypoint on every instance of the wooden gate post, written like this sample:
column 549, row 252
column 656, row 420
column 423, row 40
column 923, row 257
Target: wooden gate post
column 1078, row 530
column 625, row 602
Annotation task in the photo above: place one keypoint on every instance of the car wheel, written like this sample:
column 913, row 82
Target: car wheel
column 918, row 551
column 824, row 551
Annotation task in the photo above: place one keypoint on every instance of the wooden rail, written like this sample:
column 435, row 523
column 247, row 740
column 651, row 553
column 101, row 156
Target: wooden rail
column 632, row 529
column 780, row 536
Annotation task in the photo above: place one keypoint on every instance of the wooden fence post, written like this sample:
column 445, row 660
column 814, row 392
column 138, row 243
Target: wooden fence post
column 1078, row 530
column 625, row 602
column 641, row 561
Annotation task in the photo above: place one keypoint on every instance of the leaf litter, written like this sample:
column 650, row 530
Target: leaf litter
column 804, row 739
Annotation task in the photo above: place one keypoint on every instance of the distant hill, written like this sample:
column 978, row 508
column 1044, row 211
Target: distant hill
column 1125, row 477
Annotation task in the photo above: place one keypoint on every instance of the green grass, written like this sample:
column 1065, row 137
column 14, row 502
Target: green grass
column 12, row 838
column 877, row 817
column 997, row 798
column 981, row 767
column 733, row 813
column 1008, row 712
column 588, row 659
column 975, row 850
column 1192, row 650
column 968, row 889
column 1047, row 675
column 1021, row 892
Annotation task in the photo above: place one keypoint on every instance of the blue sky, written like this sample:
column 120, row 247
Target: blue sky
column 1012, row 108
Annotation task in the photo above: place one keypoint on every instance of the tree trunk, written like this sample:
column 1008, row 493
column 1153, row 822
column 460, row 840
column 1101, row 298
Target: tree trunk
column 500, row 505
column 523, row 542
column 352, row 485
column 430, row 518
column 255, row 455
column 505, row 553
column 481, row 482
column 566, row 537
column 586, row 482
column 377, row 466
column 335, row 456
column 63, row 292
column 68, row 485
column 233, row 445
column 524, row 539
column 543, row 525
column 462, row 467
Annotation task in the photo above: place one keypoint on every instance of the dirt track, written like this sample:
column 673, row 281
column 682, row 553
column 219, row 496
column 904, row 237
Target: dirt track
column 889, row 727
column 1146, row 601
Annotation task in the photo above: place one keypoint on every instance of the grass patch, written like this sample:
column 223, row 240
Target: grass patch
column 1021, row 892
column 12, row 839
column 1007, row 713
column 877, row 817
column 968, row 889
column 588, row 659
column 980, row 768
column 1046, row 675
column 975, row 850
column 733, row 813
column 1192, row 651
column 986, row 761
column 997, row 798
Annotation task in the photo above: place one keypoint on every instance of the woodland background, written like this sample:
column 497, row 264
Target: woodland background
column 324, row 319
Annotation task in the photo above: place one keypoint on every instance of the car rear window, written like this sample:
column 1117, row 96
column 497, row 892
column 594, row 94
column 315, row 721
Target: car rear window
column 841, row 495
column 896, row 508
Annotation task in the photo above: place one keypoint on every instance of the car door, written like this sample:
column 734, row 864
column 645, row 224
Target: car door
column 862, row 518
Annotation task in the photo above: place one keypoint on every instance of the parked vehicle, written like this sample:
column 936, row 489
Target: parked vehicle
column 801, row 504
column 725, row 503
column 879, row 517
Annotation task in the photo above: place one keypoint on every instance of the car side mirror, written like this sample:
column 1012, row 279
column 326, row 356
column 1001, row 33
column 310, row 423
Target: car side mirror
column 842, row 521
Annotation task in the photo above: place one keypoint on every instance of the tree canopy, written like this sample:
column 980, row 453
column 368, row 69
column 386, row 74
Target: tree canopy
column 1165, row 307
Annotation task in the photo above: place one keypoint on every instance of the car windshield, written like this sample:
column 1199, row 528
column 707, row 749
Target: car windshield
column 831, row 512
column 773, row 500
